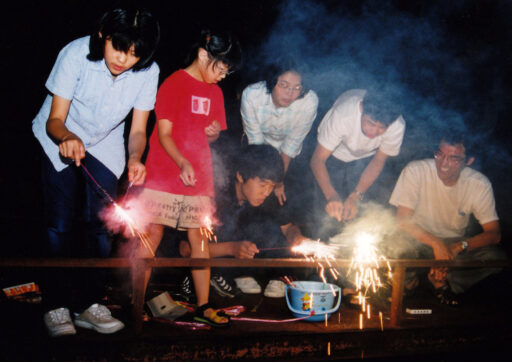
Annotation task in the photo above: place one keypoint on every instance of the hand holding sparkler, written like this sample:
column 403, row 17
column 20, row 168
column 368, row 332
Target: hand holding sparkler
column 71, row 146
column 334, row 207
column 136, row 172
column 350, row 206
column 244, row 250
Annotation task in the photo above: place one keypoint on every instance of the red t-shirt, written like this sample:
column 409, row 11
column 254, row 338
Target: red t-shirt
column 191, row 106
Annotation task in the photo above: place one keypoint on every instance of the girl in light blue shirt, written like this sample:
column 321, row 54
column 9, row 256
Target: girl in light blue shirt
column 95, row 83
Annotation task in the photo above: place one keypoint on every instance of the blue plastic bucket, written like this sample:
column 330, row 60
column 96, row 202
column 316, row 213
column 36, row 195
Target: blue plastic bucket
column 303, row 297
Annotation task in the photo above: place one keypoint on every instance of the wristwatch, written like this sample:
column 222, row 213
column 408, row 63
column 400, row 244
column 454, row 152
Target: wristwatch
column 464, row 244
column 359, row 194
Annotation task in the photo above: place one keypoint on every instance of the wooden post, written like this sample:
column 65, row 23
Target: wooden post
column 138, row 271
column 397, row 295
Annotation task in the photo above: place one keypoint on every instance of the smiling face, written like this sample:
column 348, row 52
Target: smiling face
column 372, row 128
column 117, row 60
column 254, row 190
column 450, row 161
column 287, row 89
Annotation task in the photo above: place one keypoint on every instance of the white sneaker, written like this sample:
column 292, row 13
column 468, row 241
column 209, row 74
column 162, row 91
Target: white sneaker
column 98, row 317
column 275, row 289
column 248, row 285
column 58, row 322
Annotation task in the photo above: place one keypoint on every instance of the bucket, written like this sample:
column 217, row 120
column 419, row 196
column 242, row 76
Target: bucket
column 303, row 297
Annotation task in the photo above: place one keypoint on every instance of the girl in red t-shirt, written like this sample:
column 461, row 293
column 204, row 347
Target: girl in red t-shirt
column 179, row 185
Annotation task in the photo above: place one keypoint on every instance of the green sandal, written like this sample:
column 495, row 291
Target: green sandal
column 213, row 319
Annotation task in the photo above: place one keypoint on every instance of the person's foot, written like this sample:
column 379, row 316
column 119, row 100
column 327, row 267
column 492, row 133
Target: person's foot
column 275, row 289
column 59, row 323
column 248, row 285
column 208, row 315
column 223, row 287
column 99, row 318
column 185, row 292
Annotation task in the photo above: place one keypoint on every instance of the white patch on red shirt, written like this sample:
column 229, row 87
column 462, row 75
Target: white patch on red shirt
column 200, row 105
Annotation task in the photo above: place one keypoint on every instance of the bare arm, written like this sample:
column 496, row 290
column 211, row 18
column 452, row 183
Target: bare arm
column 70, row 145
column 136, row 146
column 491, row 235
column 367, row 178
column 187, row 175
column 405, row 223
column 279, row 189
column 292, row 234
column 334, row 205
column 238, row 249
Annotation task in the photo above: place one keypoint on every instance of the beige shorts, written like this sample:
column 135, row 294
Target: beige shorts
column 177, row 211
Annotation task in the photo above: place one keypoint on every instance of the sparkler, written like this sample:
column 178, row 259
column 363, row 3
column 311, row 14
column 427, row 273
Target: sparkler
column 319, row 252
column 365, row 263
column 122, row 215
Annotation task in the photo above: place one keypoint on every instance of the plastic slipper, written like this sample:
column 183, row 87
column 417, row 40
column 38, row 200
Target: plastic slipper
column 214, row 319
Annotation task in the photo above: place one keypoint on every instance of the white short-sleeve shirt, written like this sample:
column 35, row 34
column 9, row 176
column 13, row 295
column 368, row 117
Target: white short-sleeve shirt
column 340, row 130
column 442, row 210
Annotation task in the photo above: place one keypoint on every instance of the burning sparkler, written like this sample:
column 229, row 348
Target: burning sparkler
column 122, row 215
column 319, row 252
column 365, row 263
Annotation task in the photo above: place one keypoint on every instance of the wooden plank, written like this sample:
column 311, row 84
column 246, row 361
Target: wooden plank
column 397, row 295
column 231, row 262
column 138, row 272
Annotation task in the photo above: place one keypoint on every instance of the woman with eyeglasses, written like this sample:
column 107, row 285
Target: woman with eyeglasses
column 279, row 111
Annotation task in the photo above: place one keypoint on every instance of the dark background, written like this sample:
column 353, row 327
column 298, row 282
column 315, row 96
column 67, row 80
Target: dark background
column 469, row 79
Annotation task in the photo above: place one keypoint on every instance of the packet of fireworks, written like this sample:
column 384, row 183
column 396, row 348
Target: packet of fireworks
column 27, row 293
column 163, row 306
column 418, row 310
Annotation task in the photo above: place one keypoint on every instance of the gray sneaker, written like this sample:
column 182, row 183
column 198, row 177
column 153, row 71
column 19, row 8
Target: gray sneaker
column 98, row 317
column 58, row 322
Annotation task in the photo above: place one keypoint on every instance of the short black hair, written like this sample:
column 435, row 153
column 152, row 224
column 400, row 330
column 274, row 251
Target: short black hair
column 126, row 27
column 221, row 46
column 262, row 161
column 455, row 137
column 378, row 105
column 277, row 68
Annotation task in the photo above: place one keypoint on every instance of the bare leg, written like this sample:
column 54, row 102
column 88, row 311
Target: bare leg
column 201, row 276
column 155, row 233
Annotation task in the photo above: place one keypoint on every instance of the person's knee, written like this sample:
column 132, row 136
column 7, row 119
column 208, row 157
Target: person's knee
column 493, row 252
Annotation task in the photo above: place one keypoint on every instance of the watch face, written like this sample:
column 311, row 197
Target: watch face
column 464, row 245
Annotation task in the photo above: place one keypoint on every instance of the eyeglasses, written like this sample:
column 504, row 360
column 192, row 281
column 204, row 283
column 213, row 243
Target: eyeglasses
column 439, row 155
column 222, row 70
column 286, row 85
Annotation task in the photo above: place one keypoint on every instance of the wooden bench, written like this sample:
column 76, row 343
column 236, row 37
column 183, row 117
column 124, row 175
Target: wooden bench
column 138, row 266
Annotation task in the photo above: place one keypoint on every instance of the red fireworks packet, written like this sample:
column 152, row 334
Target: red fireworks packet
column 28, row 292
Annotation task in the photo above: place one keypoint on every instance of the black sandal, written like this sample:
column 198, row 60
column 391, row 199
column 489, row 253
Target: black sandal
column 445, row 296
column 212, row 320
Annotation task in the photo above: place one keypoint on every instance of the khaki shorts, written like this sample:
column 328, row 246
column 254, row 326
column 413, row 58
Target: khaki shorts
column 177, row 211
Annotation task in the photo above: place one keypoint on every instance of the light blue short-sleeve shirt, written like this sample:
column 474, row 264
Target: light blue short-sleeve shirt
column 99, row 104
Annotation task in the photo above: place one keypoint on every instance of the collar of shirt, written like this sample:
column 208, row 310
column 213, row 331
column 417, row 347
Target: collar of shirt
column 101, row 66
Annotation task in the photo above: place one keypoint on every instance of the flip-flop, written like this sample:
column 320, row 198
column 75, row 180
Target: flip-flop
column 213, row 319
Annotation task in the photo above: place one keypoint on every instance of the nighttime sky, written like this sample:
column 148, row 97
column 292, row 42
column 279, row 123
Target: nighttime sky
column 447, row 60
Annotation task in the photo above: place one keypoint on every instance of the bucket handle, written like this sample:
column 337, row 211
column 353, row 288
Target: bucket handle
column 334, row 309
